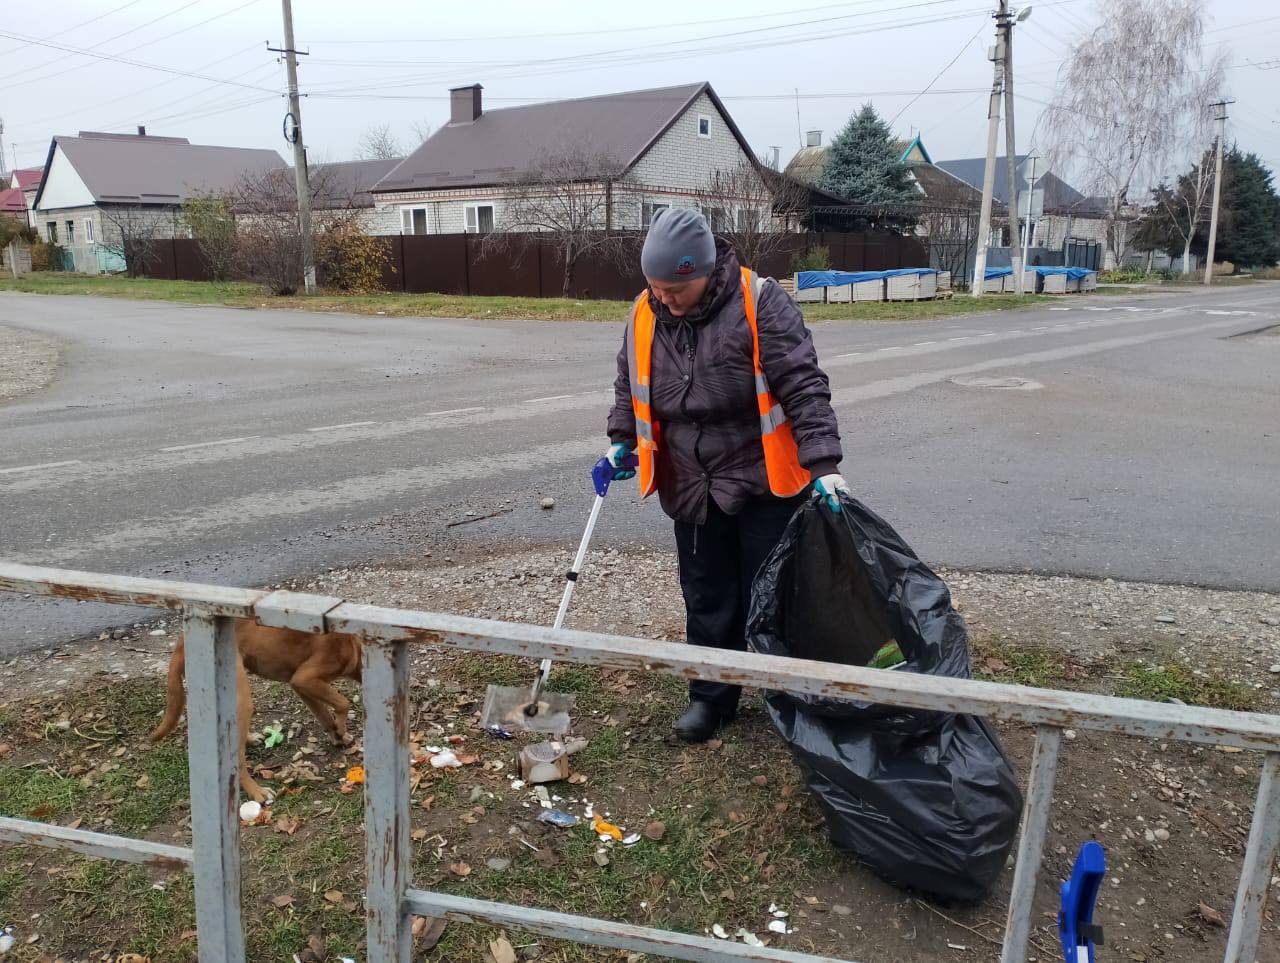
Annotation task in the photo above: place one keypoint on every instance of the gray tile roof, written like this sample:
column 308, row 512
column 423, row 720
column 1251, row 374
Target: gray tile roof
column 500, row 145
column 1059, row 195
column 344, row 183
column 126, row 168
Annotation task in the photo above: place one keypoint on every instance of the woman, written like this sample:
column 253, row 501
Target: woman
column 720, row 394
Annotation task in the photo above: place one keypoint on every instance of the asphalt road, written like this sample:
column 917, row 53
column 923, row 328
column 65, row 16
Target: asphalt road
column 244, row 446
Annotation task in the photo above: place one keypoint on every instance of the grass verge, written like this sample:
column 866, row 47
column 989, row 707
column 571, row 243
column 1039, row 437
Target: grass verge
column 1160, row 683
column 240, row 295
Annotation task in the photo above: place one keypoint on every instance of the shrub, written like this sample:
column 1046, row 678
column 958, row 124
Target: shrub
column 352, row 261
column 212, row 223
column 46, row 256
column 816, row 258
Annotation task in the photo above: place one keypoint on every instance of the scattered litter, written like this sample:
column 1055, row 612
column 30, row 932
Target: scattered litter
column 355, row 775
column 156, row 632
column 749, row 938
column 548, row 503
column 498, row 732
column 6, row 942
column 558, row 817
column 655, row 830
column 517, row 784
column 718, row 932
column 605, row 830
column 498, row 863
column 543, row 762
column 631, row 839
column 601, row 858
column 250, row 811
column 445, row 759
column 779, row 926
column 544, row 797
column 274, row 735
column 957, row 946
column 777, row 913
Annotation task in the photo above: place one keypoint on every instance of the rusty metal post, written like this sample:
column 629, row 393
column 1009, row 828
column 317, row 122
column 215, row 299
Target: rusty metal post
column 1035, row 822
column 1259, row 856
column 213, row 741
column 386, row 800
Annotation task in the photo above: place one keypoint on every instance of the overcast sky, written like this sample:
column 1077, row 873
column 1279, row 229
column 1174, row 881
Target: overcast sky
column 392, row 61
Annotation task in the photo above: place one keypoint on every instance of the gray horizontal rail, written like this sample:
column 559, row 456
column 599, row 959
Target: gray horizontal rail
column 597, row 932
column 1040, row 707
column 99, row 845
column 125, row 590
column 1153, row 720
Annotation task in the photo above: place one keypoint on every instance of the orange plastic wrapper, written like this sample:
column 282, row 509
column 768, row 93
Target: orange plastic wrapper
column 355, row 775
column 602, row 828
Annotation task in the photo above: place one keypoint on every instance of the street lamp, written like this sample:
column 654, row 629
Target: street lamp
column 1024, row 13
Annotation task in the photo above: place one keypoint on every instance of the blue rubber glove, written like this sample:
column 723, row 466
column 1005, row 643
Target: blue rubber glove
column 615, row 454
column 831, row 487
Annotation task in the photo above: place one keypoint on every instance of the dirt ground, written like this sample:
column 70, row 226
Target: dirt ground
column 738, row 832
column 28, row 362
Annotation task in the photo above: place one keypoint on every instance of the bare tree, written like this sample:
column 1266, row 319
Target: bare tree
column 1187, row 208
column 130, row 233
column 565, row 198
column 379, row 143
column 208, row 216
column 1131, row 100
column 748, row 207
column 422, row 129
column 269, row 248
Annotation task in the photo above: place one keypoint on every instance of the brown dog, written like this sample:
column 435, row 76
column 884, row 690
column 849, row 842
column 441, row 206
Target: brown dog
column 309, row 662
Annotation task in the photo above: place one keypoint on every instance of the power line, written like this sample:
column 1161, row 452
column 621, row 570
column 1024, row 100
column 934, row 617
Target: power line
column 615, row 30
column 131, row 63
column 73, row 27
column 968, row 43
column 94, row 46
column 147, row 43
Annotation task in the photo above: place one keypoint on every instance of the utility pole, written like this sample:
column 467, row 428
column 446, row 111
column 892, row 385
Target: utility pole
column 1217, row 189
column 1005, row 23
column 1031, row 199
column 989, row 172
column 294, row 134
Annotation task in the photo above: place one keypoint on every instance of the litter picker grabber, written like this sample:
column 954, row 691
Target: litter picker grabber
column 532, row 708
column 1076, row 930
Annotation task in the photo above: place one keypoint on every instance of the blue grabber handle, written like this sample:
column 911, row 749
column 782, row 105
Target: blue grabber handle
column 602, row 473
column 1076, row 929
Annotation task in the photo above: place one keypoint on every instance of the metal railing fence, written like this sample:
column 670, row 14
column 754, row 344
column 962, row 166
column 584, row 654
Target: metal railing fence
column 387, row 633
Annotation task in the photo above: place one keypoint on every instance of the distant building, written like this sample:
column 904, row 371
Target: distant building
column 99, row 187
column 27, row 180
column 663, row 146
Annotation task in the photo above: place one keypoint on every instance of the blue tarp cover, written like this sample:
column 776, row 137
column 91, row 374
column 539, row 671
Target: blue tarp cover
column 1072, row 272
column 828, row 279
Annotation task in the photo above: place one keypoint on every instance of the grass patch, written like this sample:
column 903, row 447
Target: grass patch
column 919, row 310
column 1161, row 683
column 30, row 793
column 1021, row 664
column 241, row 295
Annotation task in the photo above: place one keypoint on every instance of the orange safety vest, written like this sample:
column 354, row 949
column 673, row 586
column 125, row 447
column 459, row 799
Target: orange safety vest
column 781, row 458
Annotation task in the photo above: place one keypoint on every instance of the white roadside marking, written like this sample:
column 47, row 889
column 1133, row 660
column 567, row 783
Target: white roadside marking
column 921, row 344
column 451, row 411
column 963, row 337
column 850, row 354
column 349, row 424
column 1043, row 327
column 534, row 401
column 1059, row 309
column 989, row 334
column 209, row 444
column 892, row 347
column 47, row 464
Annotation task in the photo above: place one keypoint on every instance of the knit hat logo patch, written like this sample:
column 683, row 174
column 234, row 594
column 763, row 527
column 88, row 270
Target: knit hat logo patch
column 685, row 265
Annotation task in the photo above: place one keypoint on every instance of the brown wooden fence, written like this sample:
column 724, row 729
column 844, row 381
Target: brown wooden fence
column 456, row 264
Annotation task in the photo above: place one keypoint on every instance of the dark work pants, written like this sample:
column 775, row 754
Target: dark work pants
column 718, row 561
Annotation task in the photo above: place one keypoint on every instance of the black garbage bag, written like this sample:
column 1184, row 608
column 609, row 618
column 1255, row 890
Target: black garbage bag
column 926, row 799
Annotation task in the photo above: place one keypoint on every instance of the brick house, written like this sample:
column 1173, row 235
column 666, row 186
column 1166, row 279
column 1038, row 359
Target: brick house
column 99, row 187
column 663, row 146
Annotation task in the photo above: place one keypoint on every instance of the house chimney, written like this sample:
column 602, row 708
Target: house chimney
column 813, row 138
column 775, row 156
column 142, row 131
column 464, row 104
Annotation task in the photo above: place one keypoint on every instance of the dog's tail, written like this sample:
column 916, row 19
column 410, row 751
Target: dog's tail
column 176, row 699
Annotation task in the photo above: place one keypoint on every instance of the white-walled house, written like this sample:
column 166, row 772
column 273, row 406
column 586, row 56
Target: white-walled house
column 95, row 183
column 666, row 143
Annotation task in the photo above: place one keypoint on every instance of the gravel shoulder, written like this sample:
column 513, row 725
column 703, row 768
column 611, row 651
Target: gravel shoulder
column 28, row 362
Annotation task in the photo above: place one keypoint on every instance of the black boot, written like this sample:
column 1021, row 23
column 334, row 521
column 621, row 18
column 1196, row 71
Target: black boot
column 700, row 721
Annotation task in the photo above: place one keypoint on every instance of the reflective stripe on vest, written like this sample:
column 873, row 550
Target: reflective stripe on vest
column 781, row 458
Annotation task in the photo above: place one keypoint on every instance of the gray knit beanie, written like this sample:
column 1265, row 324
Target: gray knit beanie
column 679, row 246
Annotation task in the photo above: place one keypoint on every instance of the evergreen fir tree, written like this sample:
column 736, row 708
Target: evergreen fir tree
column 864, row 165
column 1249, row 233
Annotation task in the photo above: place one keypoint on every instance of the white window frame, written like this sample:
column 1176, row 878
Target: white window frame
column 707, row 119
column 406, row 218
column 649, row 209
column 88, row 230
column 757, row 217
column 471, row 217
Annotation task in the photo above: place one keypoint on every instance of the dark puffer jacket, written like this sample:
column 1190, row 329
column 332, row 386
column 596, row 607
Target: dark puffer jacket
column 703, row 396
